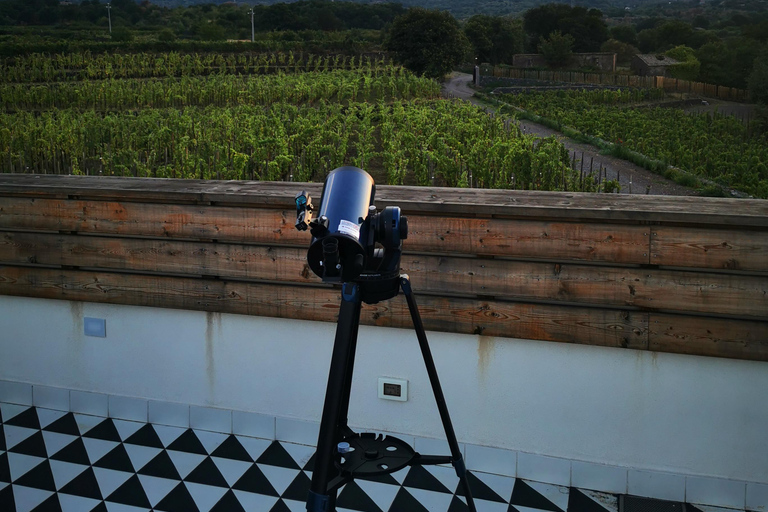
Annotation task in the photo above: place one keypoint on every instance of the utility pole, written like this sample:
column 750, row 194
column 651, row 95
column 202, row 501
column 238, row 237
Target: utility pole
column 253, row 31
column 109, row 16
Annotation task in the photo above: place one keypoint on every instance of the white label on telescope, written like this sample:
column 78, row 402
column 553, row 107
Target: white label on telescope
column 349, row 228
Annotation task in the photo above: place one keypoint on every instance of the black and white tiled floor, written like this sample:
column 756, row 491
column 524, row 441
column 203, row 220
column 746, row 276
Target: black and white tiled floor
column 59, row 461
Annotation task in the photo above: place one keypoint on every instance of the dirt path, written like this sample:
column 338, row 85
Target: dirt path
column 633, row 179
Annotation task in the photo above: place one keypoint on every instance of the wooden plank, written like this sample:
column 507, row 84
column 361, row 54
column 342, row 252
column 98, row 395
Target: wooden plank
column 529, row 239
column 736, row 339
column 648, row 289
column 710, row 248
column 717, row 294
column 244, row 225
column 427, row 200
column 492, row 237
column 467, row 316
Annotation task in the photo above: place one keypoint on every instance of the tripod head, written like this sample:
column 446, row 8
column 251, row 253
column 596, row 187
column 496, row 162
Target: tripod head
column 351, row 240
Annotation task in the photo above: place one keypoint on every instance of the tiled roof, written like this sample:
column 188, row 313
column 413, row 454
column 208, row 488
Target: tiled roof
column 657, row 59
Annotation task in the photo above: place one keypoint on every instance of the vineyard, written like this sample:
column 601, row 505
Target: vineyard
column 716, row 147
column 260, row 117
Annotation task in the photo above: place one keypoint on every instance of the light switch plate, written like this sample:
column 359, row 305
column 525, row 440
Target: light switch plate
column 96, row 327
column 393, row 389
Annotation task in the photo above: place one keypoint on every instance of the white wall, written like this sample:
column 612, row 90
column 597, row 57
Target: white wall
column 685, row 414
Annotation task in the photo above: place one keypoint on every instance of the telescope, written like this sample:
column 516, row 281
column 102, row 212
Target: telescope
column 359, row 247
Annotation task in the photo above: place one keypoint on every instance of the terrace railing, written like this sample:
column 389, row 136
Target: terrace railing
column 671, row 274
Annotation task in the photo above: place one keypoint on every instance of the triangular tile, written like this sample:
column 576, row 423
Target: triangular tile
column 84, row 485
column 140, row 455
column 232, row 449
column 70, row 503
column 116, row 459
column 86, row 422
column 520, row 508
column 111, row 506
column 6, row 498
column 205, row 496
column 276, row 455
column 21, row 464
column 382, row 494
column 145, row 436
column 254, row 481
column 399, row 476
column 161, row 466
column 109, row 480
column 39, row 477
column 279, row 477
column 228, row 503
column 55, row 442
column 457, row 505
column 310, row 465
column 74, row 452
column 353, row 497
column 578, row 500
column 33, row 445
column 178, row 500
column 126, row 429
column 405, row 502
column 188, row 442
column 2, row 438
column 299, row 488
column 300, row 454
column 48, row 416
column 65, row 472
column 231, row 469
column 168, row 434
column 64, row 425
column 105, row 430
column 434, row 500
column 15, row 435
column 501, row 485
column 97, row 448
column 28, row 498
column 130, row 493
column 297, row 506
column 207, row 473
column 8, row 411
column 555, row 494
column 251, row 501
column 420, row 478
column 101, row 507
column 26, row 419
column 446, row 476
column 185, row 462
column 5, row 469
column 479, row 490
column 523, row 494
column 608, row 501
column 280, row 506
column 50, row 505
column 156, row 488
column 254, row 447
column 210, row 440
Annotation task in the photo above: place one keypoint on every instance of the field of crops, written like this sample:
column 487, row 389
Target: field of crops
column 719, row 148
column 263, row 117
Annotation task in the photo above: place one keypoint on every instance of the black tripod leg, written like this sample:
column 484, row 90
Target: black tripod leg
column 458, row 461
column 319, row 499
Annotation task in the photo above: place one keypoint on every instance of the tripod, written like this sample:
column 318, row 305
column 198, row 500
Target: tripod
column 343, row 454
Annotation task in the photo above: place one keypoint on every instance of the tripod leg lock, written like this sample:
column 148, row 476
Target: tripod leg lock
column 317, row 502
column 460, row 467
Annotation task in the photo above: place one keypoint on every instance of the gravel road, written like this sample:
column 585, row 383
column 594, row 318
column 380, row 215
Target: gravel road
column 633, row 179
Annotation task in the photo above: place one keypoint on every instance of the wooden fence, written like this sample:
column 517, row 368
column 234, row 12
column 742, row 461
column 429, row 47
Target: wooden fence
column 671, row 274
column 648, row 82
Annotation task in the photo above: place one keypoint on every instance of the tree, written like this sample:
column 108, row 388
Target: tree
column 624, row 52
column 586, row 27
column 689, row 66
column 494, row 39
column 625, row 33
column 427, row 42
column 758, row 79
column 557, row 49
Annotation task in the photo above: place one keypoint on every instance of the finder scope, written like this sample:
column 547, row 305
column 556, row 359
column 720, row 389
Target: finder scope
column 351, row 240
